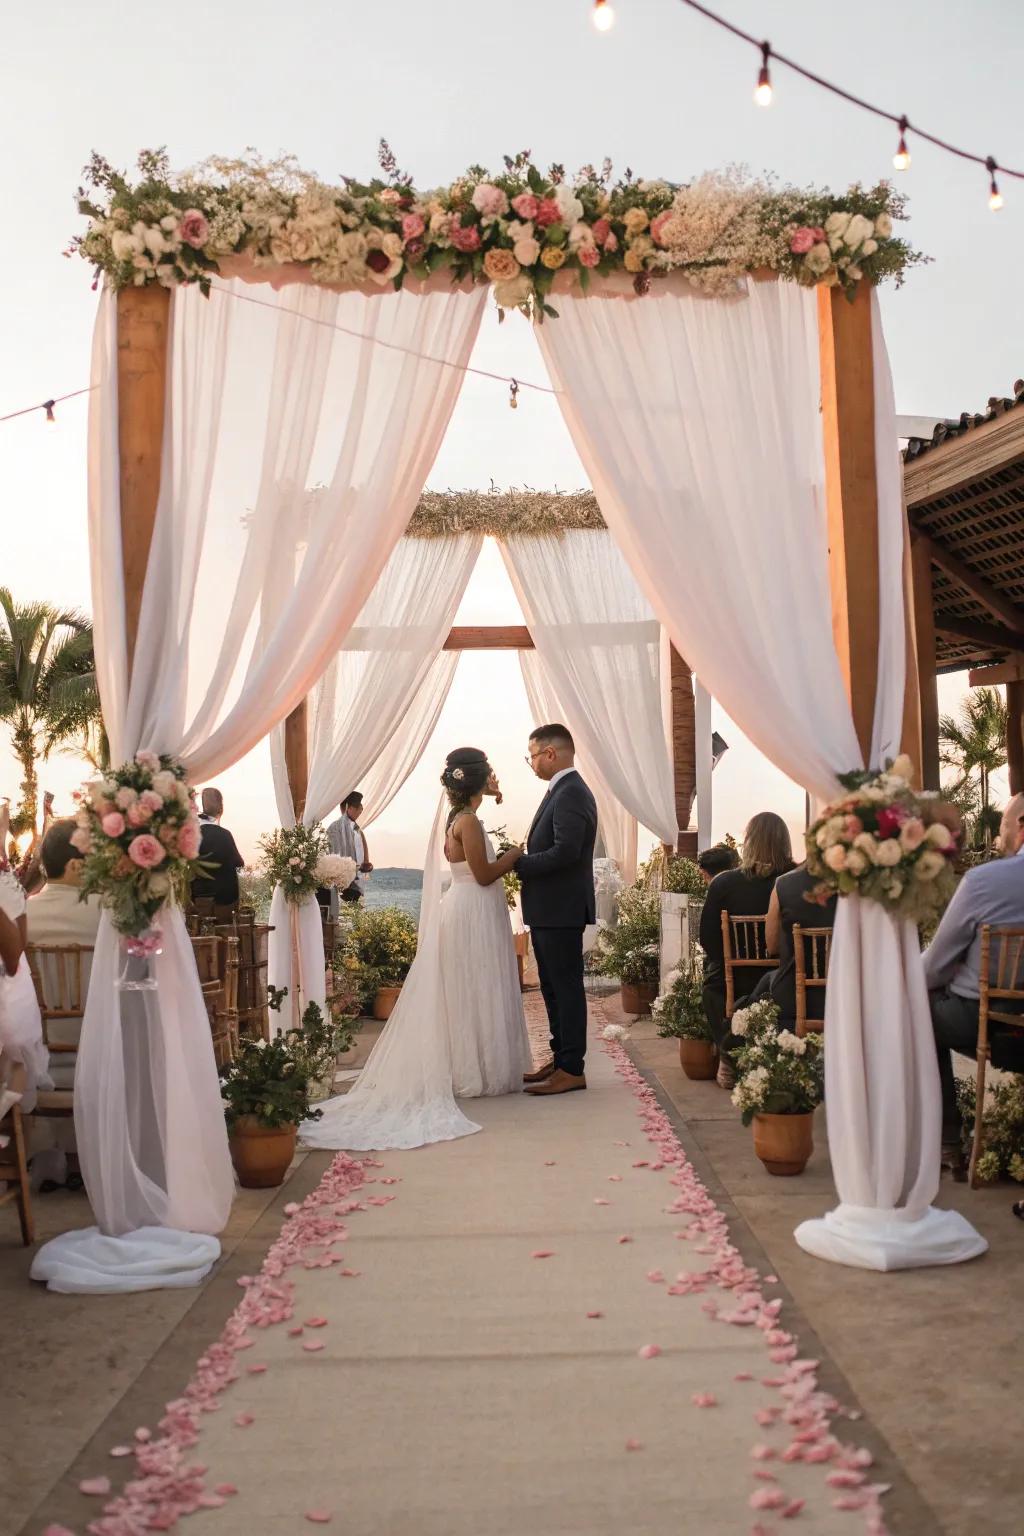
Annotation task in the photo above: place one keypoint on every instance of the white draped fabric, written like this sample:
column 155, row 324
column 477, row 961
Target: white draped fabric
column 705, row 762
column 370, row 718
column 251, row 586
column 698, row 423
column 617, row 828
column 600, row 645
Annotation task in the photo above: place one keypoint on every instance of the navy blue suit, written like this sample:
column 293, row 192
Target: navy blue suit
column 557, row 871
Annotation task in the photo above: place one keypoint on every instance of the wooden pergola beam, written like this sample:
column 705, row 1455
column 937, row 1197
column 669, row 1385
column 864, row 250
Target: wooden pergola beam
column 961, row 460
column 489, row 637
column 684, row 750
column 1015, row 736
column 924, row 656
column 296, row 756
column 1011, row 671
column 980, row 633
column 143, row 330
column 998, row 604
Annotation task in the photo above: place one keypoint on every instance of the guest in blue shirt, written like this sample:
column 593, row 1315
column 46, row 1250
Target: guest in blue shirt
column 992, row 893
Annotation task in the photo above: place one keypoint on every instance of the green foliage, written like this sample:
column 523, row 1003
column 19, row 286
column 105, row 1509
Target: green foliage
column 679, row 1012
column 973, row 745
column 1002, row 1153
column 256, row 890
column 779, row 1072
column 290, row 856
column 683, row 877
column 630, row 949
column 376, row 948
column 275, row 1081
column 511, row 881
column 48, row 690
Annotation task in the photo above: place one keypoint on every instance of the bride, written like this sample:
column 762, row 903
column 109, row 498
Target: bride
column 458, row 1030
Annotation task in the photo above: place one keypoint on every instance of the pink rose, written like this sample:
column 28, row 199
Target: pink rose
column 138, row 815
column 602, row 229
column 148, row 760
column 194, row 229
column 658, row 226
column 912, row 834
column 853, row 828
column 412, row 225
column 188, row 839
column 414, row 249
column 113, row 824
column 146, row 851
column 548, row 212
column 802, row 239
column 588, row 255
column 126, row 797
column 151, row 800
column 489, row 201
column 890, row 820
column 390, row 195
column 464, row 239
column 526, row 205
column 612, row 242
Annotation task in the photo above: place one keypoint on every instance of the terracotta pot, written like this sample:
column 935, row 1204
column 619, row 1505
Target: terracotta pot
column 262, row 1155
column 637, row 1000
column 784, row 1142
column 384, row 1002
column 698, row 1059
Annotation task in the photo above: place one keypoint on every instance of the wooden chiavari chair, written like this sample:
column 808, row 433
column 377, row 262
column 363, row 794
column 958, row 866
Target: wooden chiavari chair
column 812, row 950
column 13, row 1160
column 60, row 974
column 1000, row 981
column 744, row 947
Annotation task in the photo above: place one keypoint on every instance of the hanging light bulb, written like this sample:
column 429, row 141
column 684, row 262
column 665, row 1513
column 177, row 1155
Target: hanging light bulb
column 603, row 15
column 763, row 91
column 48, row 408
column 995, row 197
column 901, row 159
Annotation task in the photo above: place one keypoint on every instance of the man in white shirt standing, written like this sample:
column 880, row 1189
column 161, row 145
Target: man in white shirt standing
column 993, row 894
column 348, row 839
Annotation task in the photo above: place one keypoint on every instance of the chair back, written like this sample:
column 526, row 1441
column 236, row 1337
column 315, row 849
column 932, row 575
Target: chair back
column 744, row 947
column 205, row 950
column 1000, row 981
column 14, row 1178
column 812, row 950
column 60, row 975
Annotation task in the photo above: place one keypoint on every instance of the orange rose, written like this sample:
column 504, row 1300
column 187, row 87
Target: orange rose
column 500, row 265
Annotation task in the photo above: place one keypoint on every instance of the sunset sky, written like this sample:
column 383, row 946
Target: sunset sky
column 449, row 84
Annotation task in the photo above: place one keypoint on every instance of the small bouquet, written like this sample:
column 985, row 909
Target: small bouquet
column 887, row 843
column 780, row 1073
column 513, row 884
column 139, row 836
column 299, row 860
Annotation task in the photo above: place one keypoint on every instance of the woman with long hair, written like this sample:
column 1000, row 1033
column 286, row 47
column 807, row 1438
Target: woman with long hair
column 743, row 892
column 458, row 1030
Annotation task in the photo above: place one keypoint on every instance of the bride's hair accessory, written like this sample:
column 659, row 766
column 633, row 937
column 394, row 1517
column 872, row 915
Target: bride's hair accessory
column 466, row 772
column 458, row 774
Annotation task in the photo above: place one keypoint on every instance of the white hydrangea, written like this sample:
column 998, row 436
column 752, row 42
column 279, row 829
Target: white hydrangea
column 615, row 1032
column 740, row 1022
column 792, row 1043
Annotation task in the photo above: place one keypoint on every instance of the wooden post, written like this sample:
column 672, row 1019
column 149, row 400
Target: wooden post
column 296, row 755
column 143, row 326
column 924, row 647
column 684, row 751
column 848, row 427
column 1015, row 736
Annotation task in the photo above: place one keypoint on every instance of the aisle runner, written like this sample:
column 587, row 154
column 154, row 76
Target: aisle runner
column 547, row 1331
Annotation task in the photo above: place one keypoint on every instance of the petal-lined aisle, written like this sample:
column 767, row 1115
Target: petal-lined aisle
column 543, row 1328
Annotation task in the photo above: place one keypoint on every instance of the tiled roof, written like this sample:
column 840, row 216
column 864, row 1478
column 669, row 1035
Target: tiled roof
column 946, row 429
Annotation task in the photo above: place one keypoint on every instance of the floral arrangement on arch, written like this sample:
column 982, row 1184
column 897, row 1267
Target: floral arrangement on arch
column 517, row 230
column 887, row 843
column 779, row 1073
column 139, row 837
column 299, row 860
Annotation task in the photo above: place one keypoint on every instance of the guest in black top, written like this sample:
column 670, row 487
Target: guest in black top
column 217, row 847
column 715, row 861
column 791, row 903
column 744, row 892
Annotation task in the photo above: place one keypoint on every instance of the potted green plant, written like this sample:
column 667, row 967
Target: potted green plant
column 781, row 1080
column 267, row 1092
column 629, row 951
column 378, row 947
column 680, row 1015
column 324, row 1038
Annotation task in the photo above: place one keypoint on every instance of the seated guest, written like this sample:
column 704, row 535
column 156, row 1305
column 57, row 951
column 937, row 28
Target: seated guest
column 217, row 848
column 715, row 861
column 21, row 1028
column 58, row 916
column 743, row 892
column 791, row 904
column 991, row 893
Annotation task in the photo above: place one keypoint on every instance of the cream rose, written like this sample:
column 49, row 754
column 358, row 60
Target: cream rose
column 838, row 224
column 835, row 857
column 857, row 862
column 635, row 220
column 903, row 768
column 514, row 293
column 858, row 230
column 912, row 834
column 125, row 245
column 868, row 844
column 883, row 226
column 939, row 836
column 526, row 251
column 929, row 866
column 889, row 853
column 818, row 258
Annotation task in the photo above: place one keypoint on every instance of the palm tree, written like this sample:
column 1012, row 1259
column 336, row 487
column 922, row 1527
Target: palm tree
column 48, row 690
column 974, row 743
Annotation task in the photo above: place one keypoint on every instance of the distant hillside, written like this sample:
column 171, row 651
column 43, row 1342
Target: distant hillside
column 394, row 888
column 403, row 877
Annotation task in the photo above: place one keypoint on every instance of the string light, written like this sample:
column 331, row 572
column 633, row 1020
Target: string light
column 995, row 197
column 603, row 15
column 47, row 405
column 513, row 391
column 901, row 159
column 48, row 408
column 763, row 92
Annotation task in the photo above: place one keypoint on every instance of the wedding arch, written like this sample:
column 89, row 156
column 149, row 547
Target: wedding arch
column 717, row 354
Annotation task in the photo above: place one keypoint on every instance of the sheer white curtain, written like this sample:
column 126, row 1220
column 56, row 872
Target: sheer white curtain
column 618, row 829
column 251, row 586
column 698, row 423
column 371, row 715
column 600, row 644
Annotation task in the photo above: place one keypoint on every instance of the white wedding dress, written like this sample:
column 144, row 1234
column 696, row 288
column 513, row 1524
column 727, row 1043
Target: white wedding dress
column 458, row 1030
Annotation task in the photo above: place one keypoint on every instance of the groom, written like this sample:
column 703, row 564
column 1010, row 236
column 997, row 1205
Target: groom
column 557, row 871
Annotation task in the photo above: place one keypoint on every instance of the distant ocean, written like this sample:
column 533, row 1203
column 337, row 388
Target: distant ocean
column 394, row 888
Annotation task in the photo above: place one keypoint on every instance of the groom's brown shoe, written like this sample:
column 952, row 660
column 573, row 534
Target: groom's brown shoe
column 558, row 1082
column 540, row 1074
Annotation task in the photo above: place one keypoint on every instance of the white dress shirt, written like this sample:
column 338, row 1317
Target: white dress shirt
column 991, row 893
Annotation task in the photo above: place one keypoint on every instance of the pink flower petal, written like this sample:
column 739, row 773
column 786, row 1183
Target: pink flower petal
column 625, row 1239
column 243, row 1420
column 122, row 1450
column 763, row 1453
column 58, row 1530
column 771, row 1279
column 851, row 1501
column 316, row 1322
column 143, row 1435
column 211, row 1501
column 615, row 1178
column 319, row 1516
column 767, row 1498
column 295, row 1333
column 543, row 1253
column 764, row 1475
column 291, row 1208
column 551, row 1164
column 634, row 1445
column 743, row 1376
column 656, row 1277
column 602, row 1202
column 226, row 1490
column 95, row 1487
column 704, row 1400
column 793, row 1508
column 256, row 1370
column 312, row 1345
column 595, row 1314
column 349, row 1274
column 649, row 1351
